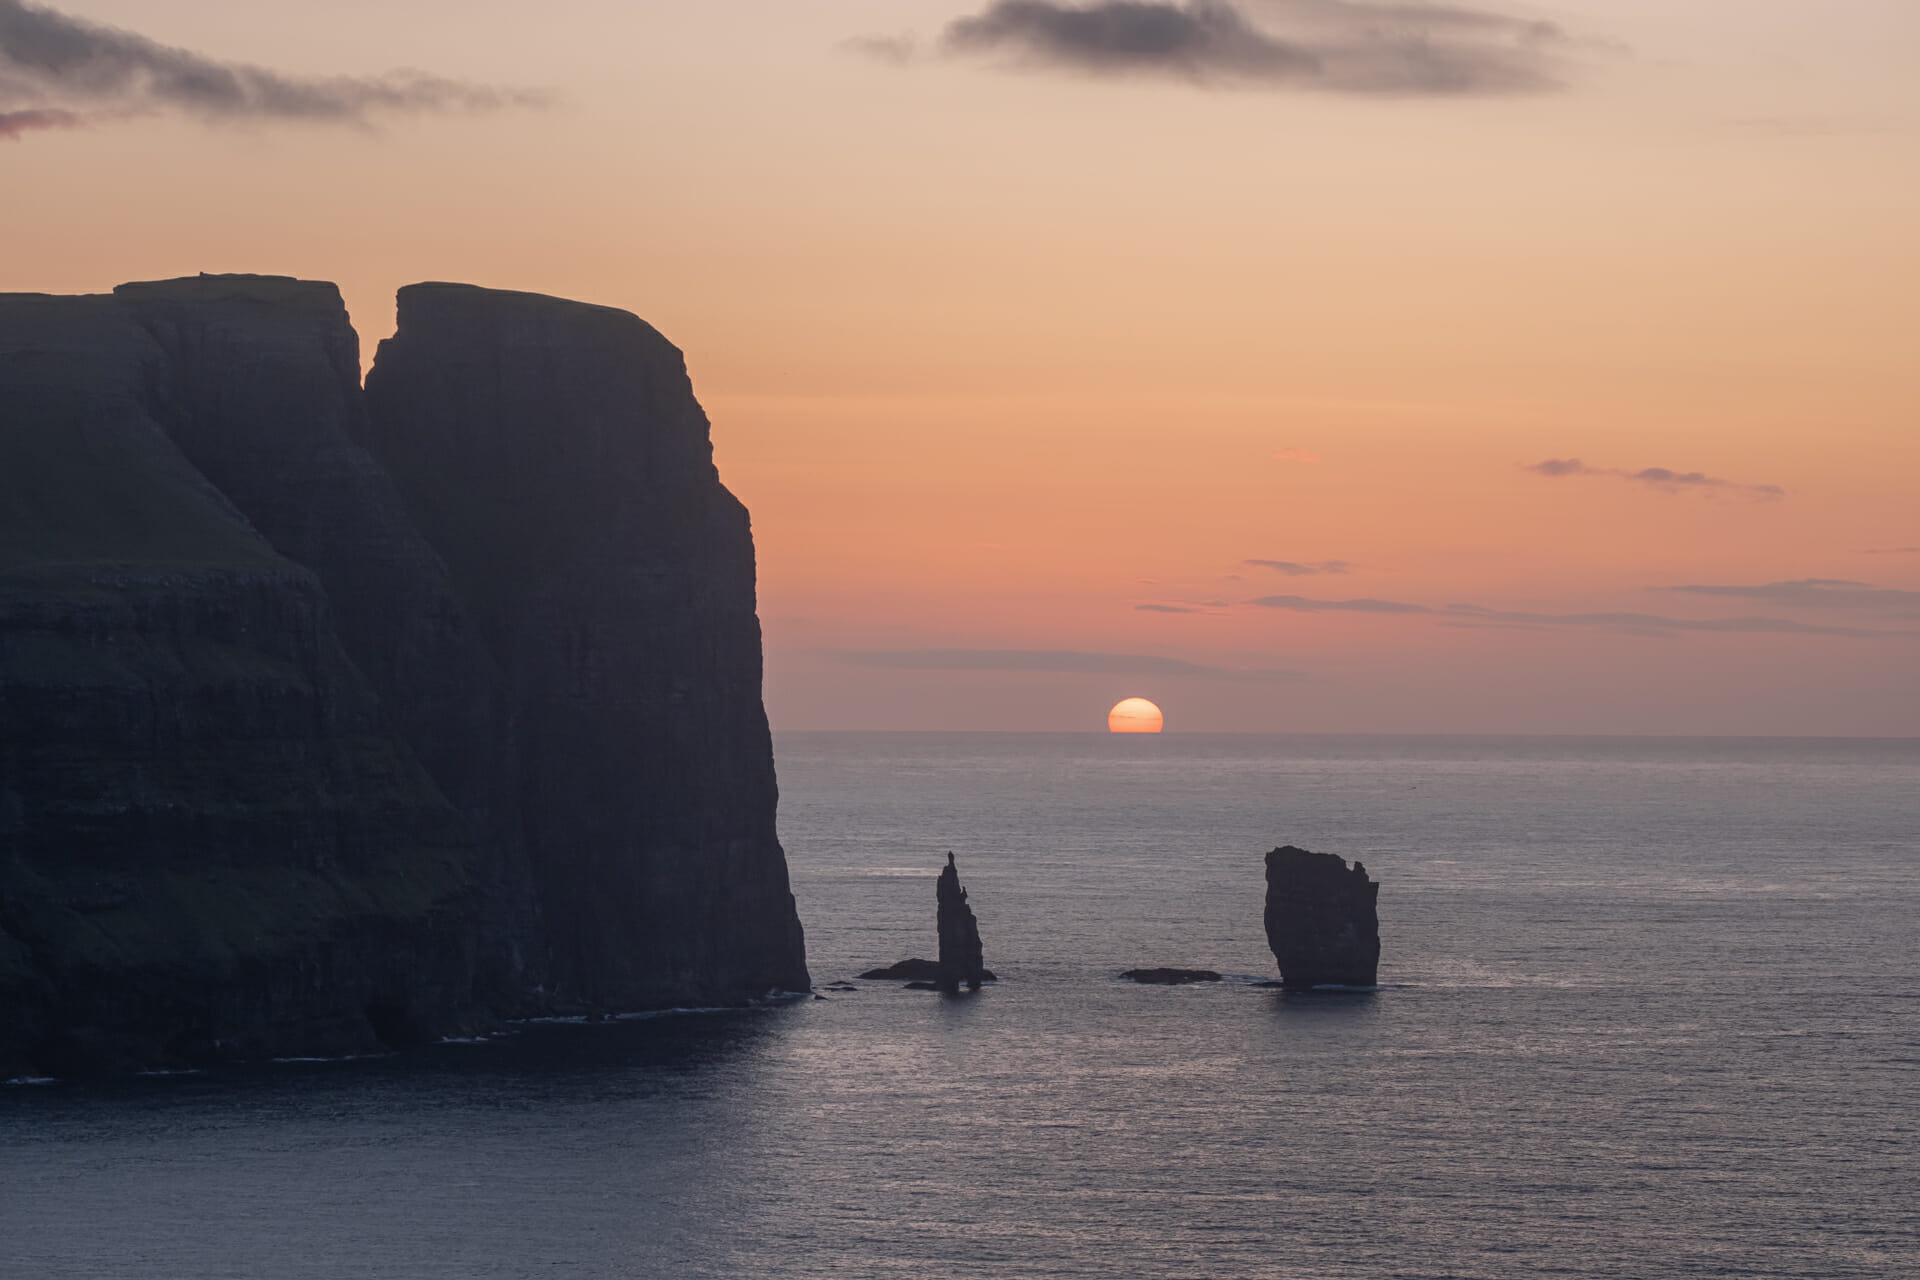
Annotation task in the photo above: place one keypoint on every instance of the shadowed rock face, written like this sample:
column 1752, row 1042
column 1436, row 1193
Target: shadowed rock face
column 259, row 387
column 211, row 843
column 960, row 954
column 1322, row 923
column 554, row 456
column 298, row 759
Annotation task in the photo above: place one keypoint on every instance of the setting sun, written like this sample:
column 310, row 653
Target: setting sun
column 1134, row 715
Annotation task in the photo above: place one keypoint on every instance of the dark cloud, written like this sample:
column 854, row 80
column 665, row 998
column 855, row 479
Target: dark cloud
column 1633, row 623
column 1064, row 661
column 1296, row 569
column 1661, row 478
column 52, row 65
column 15, row 123
column 1334, row 46
column 1815, row 593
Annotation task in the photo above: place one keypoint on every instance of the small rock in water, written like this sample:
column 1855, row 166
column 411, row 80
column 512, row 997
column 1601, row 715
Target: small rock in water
column 1170, row 977
column 915, row 970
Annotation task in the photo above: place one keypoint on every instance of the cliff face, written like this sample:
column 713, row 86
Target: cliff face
column 209, row 843
column 298, row 759
column 554, row 455
column 260, row 389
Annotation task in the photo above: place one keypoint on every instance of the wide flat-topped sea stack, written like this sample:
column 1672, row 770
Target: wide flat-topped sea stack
column 1322, row 920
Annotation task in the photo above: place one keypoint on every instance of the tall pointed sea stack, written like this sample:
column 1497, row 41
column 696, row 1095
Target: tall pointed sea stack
column 1322, row 920
column 960, row 955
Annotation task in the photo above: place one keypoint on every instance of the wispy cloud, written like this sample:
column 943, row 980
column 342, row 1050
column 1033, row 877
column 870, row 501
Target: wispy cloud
column 1302, row 604
column 1298, row 569
column 15, row 123
column 1332, row 46
column 898, row 50
column 1636, row 623
column 1063, row 661
column 1662, row 478
column 58, row 71
column 1815, row 593
column 1167, row 608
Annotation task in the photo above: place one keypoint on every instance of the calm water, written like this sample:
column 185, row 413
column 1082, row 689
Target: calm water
column 1651, row 1008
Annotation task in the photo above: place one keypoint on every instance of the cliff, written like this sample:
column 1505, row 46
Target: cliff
column 1323, row 923
column 210, row 845
column 554, row 455
column 292, row 762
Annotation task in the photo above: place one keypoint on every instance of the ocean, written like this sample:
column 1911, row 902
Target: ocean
column 1648, row 1008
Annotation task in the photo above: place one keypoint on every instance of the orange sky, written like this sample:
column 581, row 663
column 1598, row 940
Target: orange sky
column 997, row 356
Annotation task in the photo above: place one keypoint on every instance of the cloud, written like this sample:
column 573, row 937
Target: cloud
column 1166, row 608
column 1635, row 623
column 1295, row 455
column 1295, row 569
column 1815, row 593
column 898, row 50
column 15, row 123
column 1661, row 478
column 1331, row 46
column 1301, row 604
column 56, row 67
column 1063, row 661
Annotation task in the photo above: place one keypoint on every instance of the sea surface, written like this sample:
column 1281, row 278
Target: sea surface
column 1649, row 1008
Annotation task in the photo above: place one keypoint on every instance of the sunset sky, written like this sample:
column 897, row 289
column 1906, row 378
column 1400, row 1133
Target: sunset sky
column 1301, row 365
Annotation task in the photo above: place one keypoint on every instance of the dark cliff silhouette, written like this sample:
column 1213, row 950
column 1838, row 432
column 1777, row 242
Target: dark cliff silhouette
column 333, row 718
column 960, row 953
column 1322, row 922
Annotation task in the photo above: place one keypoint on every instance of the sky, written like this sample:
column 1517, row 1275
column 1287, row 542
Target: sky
column 1301, row 365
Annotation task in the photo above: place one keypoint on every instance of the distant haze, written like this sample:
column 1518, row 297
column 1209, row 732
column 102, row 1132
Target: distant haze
column 1297, row 364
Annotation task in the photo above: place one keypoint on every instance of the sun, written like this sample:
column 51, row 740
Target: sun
column 1134, row 715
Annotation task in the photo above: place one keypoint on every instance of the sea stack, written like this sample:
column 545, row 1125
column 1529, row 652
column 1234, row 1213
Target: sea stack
column 960, row 955
column 1322, row 920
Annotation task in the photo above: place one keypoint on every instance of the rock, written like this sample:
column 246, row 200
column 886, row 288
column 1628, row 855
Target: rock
column 914, row 971
column 960, row 955
column 1322, row 922
column 333, row 719
column 923, row 986
column 1170, row 977
column 554, row 456
column 261, row 392
column 181, row 724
